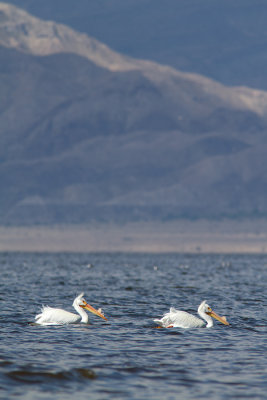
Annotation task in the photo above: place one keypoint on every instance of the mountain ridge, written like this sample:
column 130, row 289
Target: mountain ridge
column 29, row 34
column 222, row 40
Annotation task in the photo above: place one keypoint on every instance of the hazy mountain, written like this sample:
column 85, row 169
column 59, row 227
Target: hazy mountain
column 225, row 40
column 89, row 134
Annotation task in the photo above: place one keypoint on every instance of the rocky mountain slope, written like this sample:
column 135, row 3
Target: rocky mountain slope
column 88, row 134
column 225, row 40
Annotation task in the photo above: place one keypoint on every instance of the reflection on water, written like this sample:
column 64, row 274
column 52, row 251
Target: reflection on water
column 127, row 357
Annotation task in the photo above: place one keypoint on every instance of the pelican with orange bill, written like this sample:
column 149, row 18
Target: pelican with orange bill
column 57, row 316
column 182, row 319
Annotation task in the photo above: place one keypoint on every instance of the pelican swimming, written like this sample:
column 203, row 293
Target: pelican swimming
column 57, row 316
column 182, row 319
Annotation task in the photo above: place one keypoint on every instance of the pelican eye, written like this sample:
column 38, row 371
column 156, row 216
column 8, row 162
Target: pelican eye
column 209, row 309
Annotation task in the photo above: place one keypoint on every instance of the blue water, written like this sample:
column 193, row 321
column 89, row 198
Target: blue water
column 126, row 357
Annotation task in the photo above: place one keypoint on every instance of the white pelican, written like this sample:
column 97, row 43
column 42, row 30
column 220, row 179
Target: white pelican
column 182, row 319
column 57, row 316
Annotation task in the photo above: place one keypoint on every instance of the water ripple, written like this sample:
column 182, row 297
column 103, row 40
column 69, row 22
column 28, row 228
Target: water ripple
column 26, row 376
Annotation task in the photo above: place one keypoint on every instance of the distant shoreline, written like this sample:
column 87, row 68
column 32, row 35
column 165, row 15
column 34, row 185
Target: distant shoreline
column 181, row 236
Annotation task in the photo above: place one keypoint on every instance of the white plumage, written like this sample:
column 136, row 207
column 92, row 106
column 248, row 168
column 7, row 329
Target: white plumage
column 182, row 319
column 57, row 316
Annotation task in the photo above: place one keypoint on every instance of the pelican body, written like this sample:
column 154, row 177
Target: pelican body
column 182, row 319
column 57, row 316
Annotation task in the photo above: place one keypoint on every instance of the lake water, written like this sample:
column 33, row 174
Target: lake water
column 126, row 358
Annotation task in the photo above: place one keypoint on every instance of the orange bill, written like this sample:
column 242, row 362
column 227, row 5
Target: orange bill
column 93, row 310
column 216, row 316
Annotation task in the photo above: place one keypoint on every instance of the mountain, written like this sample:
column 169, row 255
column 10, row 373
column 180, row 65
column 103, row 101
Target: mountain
column 224, row 40
column 88, row 134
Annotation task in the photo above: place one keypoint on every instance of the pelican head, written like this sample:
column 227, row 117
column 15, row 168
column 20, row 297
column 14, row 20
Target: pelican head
column 80, row 302
column 205, row 310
